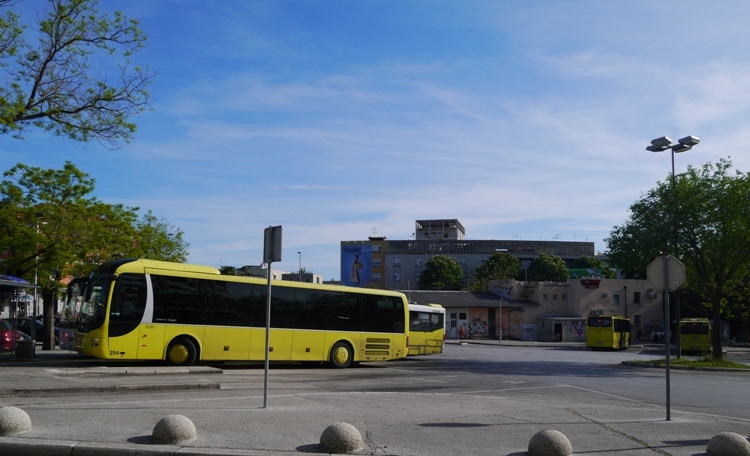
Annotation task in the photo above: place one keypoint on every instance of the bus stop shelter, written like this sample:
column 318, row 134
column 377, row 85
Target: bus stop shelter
column 10, row 296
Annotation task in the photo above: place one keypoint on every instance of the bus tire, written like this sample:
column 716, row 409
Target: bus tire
column 342, row 355
column 182, row 352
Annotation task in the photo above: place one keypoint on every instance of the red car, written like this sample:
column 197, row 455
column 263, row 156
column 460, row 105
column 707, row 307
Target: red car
column 7, row 334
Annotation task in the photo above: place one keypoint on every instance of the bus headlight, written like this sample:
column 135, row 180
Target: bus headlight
column 94, row 341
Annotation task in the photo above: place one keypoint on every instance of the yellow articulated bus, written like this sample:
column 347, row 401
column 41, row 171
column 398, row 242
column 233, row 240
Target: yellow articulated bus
column 426, row 329
column 607, row 332
column 695, row 335
column 138, row 309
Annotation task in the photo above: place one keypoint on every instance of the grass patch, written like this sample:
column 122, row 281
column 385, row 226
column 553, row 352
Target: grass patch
column 706, row 362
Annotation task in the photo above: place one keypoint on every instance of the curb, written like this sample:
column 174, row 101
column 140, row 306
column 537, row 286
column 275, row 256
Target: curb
column 50, row 391
column 662, row 366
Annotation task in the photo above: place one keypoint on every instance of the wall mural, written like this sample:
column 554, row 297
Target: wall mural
column 477, row 324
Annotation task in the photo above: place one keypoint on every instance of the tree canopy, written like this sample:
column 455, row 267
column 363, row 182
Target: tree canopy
column 501, row 265
column 51, row 81
column 50, row 227
column 701, row 217
column 441, row 272
column 547, row 268
column 592, row 262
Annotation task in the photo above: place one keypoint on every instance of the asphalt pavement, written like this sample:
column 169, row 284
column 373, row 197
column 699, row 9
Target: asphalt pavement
column 409, row 424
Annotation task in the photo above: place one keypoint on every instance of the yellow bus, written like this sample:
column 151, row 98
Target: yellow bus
column 610, row 332
column 426, row 329
column 695, row 335
column 138, row 309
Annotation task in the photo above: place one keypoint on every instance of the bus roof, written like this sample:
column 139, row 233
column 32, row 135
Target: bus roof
column 434, row 308
column 142, row 265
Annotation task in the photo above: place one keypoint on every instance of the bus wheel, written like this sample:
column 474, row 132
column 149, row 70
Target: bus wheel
column 341, row 355
column 182, row 352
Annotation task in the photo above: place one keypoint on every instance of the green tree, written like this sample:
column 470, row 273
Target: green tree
column 51, row 228
column 441, row 272
column 52, row 83
column 501, row 265
column 158, row 240
column 592, row 262
column 701, row 217
column 548, row 268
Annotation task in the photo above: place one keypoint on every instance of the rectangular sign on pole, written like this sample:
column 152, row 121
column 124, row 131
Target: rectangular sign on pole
column 272, row 244
column 271, row 253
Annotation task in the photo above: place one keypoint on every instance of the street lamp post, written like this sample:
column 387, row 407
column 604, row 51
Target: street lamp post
column 683, row 145
column 660, row 145
column 665, row 142
column 300, row 266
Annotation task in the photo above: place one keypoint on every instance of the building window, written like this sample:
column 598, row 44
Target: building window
column 397, row 261
column 376, row 262
column 544, row 297
column 554, row 297
column 616, row 299
column 396, row 277
column 376, row 248
column 418, row 262
column 637, row 321
column 637, row 297
column 564, row 297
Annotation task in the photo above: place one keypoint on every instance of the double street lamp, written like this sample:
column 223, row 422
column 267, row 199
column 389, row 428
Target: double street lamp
column 665, row 142
column 682, row 145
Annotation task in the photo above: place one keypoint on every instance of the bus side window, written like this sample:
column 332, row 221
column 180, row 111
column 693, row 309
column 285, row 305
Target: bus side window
column 128, row 304
column 129, row 300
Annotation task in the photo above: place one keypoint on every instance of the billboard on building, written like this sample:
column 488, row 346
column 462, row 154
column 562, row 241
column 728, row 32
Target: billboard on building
column 356, row 265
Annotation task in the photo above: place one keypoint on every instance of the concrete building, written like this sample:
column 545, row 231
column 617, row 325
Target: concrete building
column 547, row 311
column 396, row 265
column 510, row 309
column 277, row 274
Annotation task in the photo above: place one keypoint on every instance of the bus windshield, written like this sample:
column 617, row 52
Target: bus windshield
column 93, row 306
column 73, row 301
column 600, row 322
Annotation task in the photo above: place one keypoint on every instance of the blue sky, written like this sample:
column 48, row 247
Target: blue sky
column 343, row 119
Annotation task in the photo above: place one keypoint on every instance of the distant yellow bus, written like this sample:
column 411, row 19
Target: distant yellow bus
column 607, row 332
column 426, row 329
column 138, row 309
column 695, row 335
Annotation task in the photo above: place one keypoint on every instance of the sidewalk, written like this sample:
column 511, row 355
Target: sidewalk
column 408, row 424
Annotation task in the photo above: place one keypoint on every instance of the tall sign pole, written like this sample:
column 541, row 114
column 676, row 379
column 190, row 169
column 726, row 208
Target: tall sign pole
column 271, row 253
column 667, row 335
column 668, row 273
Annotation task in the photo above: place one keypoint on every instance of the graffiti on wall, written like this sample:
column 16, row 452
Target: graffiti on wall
column 577, row 329
column 529, row 332
column 477, row 327
column 515, row 325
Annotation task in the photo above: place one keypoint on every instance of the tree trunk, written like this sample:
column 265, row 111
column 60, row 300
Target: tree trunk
column 48, row 338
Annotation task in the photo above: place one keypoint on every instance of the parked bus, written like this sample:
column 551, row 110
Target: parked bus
column 695, row 335
column 610, row 332
column 137, row 309
column 426, row 329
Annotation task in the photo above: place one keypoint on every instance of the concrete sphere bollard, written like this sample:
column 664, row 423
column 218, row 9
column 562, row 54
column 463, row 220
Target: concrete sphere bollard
column 13, row 420
column 340, row 438
column 174, row 429
column 728, row 444
column 550, row 443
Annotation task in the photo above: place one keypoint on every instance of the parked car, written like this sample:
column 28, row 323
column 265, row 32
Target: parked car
column 7, row 336
column 24, row 324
